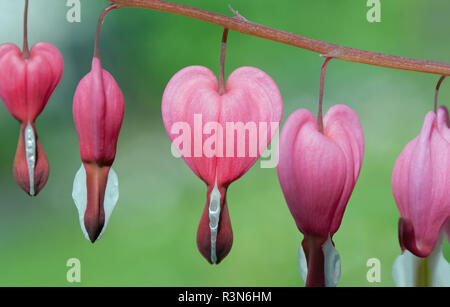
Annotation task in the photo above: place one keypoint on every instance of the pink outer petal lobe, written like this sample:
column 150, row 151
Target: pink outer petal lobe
column 420, row 184
column 318, row 172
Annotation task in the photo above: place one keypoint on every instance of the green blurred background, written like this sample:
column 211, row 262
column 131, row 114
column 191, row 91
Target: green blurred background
column 150, row 240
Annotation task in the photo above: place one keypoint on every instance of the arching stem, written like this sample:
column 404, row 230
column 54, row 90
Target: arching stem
column 222, row 62
column 438, row 85
column 99, row 25
column 254, row 29
column 26, row 50
column 323, row 70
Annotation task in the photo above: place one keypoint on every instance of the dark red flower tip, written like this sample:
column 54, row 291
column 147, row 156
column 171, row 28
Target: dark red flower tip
column 94, row 217
column 408, row 240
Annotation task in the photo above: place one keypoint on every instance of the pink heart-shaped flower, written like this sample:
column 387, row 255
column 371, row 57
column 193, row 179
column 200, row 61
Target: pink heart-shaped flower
column 26, row 84
column 421, row 185
column 191, row 104
column 318, row 172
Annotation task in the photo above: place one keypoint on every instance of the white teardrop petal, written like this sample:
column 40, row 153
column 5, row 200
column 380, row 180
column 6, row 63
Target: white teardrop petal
column 302, row 265
column 30, row 150
column 406, row 268
column 79, row 195
column 332, row 264
column 214, row 216
column 111, row 197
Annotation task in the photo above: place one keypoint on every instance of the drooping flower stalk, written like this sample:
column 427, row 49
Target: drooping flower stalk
column 25, row 51
column 98, row 109
column 436, row 94
column 222, row 62
column 27, row 80
column 323, row 71
column 103, row 14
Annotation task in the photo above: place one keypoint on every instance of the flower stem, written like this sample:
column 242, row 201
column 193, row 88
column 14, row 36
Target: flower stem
column 438, row 85
column 323, row 70
column 99, row 25
column 26, row 50
column 254, row 29
column 222, row 62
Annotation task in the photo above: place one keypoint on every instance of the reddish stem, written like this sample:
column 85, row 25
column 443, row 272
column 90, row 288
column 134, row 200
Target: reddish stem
column 222, row 62
column 315, row 259
column 254, row 29
column 99, row 25
column 323, row 70
column 438, row 86
column 26, row 50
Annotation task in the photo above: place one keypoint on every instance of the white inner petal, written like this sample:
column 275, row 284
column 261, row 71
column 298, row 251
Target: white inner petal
column 30, row 150
column 214, row 216
column 439, row 267
column 405, row 270
column 79, row 195
column 302, row 264
column 406, row 267
column 332, row 263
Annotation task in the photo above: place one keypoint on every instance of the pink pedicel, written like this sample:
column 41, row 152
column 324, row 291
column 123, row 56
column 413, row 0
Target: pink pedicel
column 421, row 185
column 251, row 96
column 98, row 109
column 317, row 172
column 27, row 80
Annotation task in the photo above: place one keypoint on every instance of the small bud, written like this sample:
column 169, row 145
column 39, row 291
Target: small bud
column 98, row 109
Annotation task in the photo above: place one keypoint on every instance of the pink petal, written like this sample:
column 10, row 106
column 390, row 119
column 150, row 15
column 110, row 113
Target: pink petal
column 28, row 84
column 251, row 98
column 342, row 125
column 420, row 183
column 317, row 171
column 98, row 114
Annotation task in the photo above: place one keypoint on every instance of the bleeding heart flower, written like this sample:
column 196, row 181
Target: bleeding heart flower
column 421, row 185
column 251, row 100
column 27, row 80
column 98, row 108
column 317, row 173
